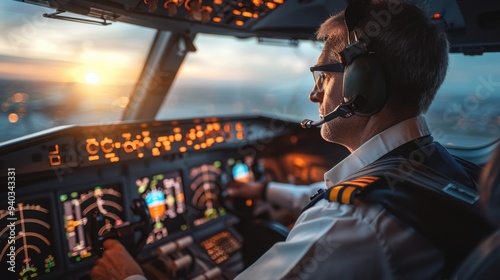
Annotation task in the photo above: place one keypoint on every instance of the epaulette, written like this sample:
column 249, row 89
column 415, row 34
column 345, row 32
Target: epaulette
column 345, row 192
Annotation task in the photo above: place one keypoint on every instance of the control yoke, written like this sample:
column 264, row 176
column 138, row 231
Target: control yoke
column 123, row 232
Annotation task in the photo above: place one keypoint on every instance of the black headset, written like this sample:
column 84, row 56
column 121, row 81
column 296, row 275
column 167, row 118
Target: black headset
column 364, row 92
column 364, row 80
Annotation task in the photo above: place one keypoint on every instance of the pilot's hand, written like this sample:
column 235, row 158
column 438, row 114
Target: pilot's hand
column 115, row 263
column 247, row 190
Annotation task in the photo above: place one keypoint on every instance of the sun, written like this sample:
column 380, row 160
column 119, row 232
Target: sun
column 92, row 78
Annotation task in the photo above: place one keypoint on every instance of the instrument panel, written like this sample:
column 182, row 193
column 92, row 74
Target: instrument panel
column 64, row 176
column 164, row 196
column 29, row 249
column 77, row 208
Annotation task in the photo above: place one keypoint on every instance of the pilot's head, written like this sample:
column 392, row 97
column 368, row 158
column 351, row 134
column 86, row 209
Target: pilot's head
column 412, row 53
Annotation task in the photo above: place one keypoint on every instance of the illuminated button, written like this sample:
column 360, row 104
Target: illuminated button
column 93, row 158
column 238, row 126
column 257, row 2
column 178, row 137
column 219, row 139
column 110, row 155
column 55, row 160
column 107, row 145
column 92, row 146
column 155, row 152
column 54, row 150
column 182, row 149
column 270, row 5
column 127, row 136
column 128, row 146
column 239, row 22
column 240, row 135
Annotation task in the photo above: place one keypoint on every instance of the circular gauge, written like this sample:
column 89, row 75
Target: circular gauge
column 164, row 196
column 206, row 188
column 78, row 208
column 28, row 249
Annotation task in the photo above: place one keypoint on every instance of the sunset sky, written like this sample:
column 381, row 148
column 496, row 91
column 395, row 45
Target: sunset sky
column 38, row 48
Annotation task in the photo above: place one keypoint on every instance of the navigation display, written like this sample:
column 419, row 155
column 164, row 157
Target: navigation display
column 206, row 189
column 78, row 207
column 26, row 240
column 164, row 196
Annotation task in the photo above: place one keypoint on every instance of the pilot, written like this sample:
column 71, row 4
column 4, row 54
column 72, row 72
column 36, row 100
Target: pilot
column 380, row 68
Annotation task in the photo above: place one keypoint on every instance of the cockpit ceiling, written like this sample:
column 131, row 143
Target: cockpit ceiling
column 473, row 26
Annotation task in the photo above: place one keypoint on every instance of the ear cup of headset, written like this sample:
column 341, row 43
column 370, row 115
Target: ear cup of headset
column 364, row 80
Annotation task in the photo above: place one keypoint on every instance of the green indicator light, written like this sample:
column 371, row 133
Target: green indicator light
column 78, row 259
column 74, row 195
column 217, row 164
column 63, row 197
column 158, row 225
column 142, row 189
column 184, row 227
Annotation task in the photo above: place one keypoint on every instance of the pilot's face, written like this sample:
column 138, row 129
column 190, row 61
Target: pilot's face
column 328, row 93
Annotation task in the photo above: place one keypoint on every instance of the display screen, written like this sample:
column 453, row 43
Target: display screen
column 26, row 240
column 206, row 188
column 164, row 196
column 79, row 206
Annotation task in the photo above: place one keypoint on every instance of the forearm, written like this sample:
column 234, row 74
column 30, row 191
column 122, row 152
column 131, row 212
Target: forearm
column 291, row 197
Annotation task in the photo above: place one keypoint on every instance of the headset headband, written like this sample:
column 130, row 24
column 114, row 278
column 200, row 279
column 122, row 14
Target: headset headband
column 354, row 47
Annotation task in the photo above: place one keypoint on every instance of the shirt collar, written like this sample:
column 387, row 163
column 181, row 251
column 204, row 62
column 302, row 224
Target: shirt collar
column 379, row 145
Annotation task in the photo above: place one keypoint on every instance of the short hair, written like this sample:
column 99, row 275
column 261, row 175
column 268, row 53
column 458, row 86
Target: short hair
column 412, row 49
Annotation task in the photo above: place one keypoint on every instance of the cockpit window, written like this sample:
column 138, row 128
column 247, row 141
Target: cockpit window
column 228, row 76
column 55, row 72
column 235, row 77
column 466, row 110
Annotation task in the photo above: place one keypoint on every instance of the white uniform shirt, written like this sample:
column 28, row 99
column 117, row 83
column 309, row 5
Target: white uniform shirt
column 295, row 198
column 331, row 240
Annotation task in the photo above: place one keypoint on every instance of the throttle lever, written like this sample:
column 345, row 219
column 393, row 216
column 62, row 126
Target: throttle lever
column 123, row 232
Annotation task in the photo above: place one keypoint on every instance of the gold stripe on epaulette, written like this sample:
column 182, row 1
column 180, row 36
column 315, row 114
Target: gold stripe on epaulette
column 346, row 194
column 334, row 193
column 345, row 191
